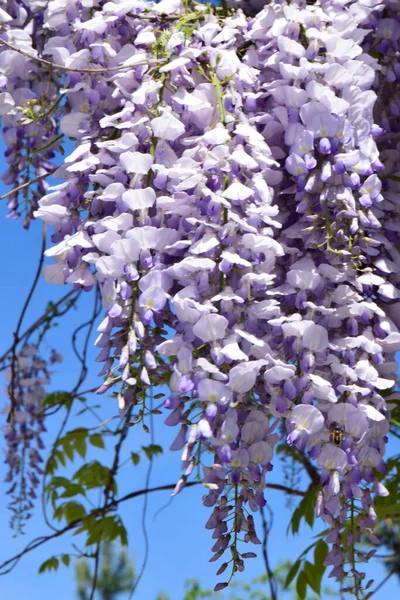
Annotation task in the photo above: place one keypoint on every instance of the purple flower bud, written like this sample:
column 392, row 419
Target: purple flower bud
column 352, row 326
column 225, row 454
column 301, row 298
column 307, row 362
column 324, row 146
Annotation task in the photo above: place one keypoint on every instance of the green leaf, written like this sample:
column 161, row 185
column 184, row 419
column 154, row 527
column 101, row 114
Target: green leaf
column 97, row 440
column 59, row 455
column 69, row 451
column 313, row 577
column 73, row 490
column 80, row 447
column 152, row 450
column 51, row 465
column 301, row 586
column 309, row 510
column 56, row 398
column 51, row 564
column 389, row 510
column 65, row 559
column 58, row 513
column 135, row 458
column 94, row 475
column 295, row 520
column 291, row 574
column 70, row 488
column 320, row 552
column 95, row 534
column 73, row 510
column 305, row 510
column 79, row 432
column 106, row 529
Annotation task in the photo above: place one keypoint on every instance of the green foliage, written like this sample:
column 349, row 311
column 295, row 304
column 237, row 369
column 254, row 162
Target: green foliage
column 94, row 475
column 72, row 442
column 305, row 510
column 65, row 559
column 51, row 564
column 152, row 450
column 116, row 575
column 73, row 511
column 103, row 529
column 135, row 458
column 97, row 440
column 389, row 534
column 292, row 573
column 72, row 495
column 308, row 574
column 55, row 399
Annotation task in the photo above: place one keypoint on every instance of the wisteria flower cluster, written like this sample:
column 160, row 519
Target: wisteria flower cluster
column 233, row 191
column 27, row 377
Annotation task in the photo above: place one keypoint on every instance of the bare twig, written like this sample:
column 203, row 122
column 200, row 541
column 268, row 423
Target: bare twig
column 82, row 357
column 287, row 490
column 39, row 322
column 53, row 65
column 144, row 513
column 266, row 530
column 10, row 563
column 96, row 570
column 309, row 467
column 27, row 184
column 11, row 387
column 72, row 396
column 108, row 491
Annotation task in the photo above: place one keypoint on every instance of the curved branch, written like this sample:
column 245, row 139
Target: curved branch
column 49, row 63
column 73, row 395
column 266, row 531
column 36, row 543
column 144, row 515
column 19, row 324
column 287, row 490
column 39, row 322
column 9, row 564
column 108, row 493
column 28, row 183
column 82, row 357
column 302, row 458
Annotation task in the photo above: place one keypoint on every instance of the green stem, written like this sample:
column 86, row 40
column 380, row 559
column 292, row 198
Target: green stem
column 235, row 537
column 216, row 83
column 353, row 559
column 52, row 108
column 152, row 149
column 49, row 144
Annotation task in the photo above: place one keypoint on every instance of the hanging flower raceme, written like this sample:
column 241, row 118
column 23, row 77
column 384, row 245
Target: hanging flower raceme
column 27, row 376
column 225, row 192
column 30, row 102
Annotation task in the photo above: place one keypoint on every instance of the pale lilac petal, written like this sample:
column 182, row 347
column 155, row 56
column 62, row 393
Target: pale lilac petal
column 210, row 327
